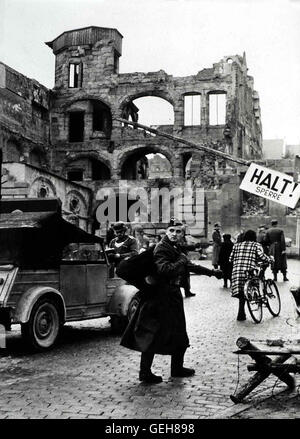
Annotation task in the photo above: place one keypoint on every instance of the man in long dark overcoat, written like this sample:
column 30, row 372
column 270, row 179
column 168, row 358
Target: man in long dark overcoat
column 217, row 241
column 158, row 325
column 275, row 239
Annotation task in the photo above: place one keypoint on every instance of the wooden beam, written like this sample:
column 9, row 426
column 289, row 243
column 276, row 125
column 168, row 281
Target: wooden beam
column 198, row 146
column 292, row 368
column 268, row 352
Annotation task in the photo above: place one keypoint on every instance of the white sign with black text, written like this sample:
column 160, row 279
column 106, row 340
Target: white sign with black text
column 272, row 185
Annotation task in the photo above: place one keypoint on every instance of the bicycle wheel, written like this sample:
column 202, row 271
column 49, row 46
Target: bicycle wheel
column 254, row 299
column 272, row 296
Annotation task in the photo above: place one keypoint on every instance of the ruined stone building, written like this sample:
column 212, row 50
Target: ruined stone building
column 69, row 138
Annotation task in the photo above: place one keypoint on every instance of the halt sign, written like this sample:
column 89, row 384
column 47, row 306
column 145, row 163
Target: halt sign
column 272, row 185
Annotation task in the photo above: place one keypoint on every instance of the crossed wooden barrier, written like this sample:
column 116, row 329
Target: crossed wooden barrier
column 264, row 366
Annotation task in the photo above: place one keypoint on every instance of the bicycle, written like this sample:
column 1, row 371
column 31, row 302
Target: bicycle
column 259, row 292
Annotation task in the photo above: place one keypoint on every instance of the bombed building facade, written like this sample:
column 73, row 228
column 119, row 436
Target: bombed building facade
column 70, row 137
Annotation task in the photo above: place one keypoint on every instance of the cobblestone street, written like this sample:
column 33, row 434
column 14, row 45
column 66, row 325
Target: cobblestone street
column 89, row 375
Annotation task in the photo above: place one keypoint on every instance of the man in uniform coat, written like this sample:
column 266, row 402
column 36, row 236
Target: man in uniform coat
column 276, row 241
column 158, row 326
column 123, row 245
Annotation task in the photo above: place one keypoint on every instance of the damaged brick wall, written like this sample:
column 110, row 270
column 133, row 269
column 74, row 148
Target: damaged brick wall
column 24, row 118
column 82, row 140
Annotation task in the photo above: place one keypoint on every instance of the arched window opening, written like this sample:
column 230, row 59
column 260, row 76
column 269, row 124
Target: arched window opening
column 192, row 109
column 141, row 166
column 217, row 108
column 151, row 111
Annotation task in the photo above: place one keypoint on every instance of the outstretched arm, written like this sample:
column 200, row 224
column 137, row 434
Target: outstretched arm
column 199, row 269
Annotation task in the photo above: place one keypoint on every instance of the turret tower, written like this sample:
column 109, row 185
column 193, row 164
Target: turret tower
column 86, row 55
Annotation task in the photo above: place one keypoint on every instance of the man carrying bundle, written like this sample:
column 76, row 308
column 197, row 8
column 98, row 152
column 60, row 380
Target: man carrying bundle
column 158, row 325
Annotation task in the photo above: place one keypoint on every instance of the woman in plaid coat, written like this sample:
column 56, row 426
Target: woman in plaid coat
column 245, row 256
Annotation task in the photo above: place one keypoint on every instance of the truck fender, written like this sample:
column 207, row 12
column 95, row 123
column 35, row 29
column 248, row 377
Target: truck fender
column 28, row 300
column 119, row 301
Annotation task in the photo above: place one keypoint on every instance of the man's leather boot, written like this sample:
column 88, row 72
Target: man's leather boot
column 189, row 294
column 177, row 369
column 145, row 374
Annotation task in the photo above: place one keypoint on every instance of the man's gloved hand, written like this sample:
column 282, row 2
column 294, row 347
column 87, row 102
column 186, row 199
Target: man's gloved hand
column 217, row 273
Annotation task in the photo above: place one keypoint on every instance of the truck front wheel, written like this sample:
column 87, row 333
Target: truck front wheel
column 42, row 329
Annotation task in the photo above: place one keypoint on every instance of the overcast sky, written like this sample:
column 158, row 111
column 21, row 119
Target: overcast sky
column 178, row 36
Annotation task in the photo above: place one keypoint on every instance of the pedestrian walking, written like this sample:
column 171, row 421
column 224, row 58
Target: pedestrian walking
column 217, row 240
column 244, row 256
column 225, row 265
column 158, row 325
column 275, row 239
column 123, row 245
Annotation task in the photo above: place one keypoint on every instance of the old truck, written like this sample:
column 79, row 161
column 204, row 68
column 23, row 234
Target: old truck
column 52, row 272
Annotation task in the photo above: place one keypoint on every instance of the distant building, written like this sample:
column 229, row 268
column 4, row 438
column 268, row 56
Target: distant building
column 291, row 151
column 273, row 148
column 159, row 167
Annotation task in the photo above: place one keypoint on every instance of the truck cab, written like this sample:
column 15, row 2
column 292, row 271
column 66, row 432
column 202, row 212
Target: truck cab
column 52, row 272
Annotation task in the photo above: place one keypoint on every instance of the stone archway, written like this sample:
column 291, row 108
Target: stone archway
column 135, row 163
column 150, row 107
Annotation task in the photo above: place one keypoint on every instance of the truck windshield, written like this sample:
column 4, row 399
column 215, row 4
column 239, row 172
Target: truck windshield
column 84, row 252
